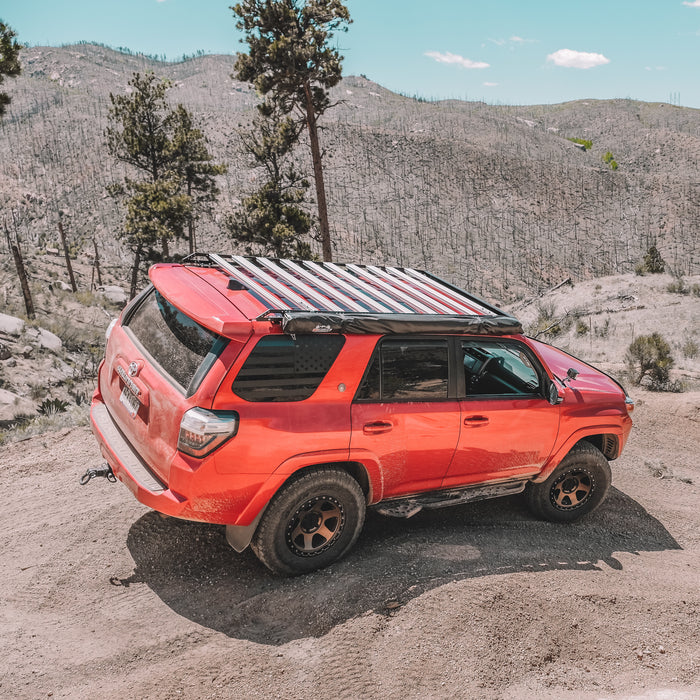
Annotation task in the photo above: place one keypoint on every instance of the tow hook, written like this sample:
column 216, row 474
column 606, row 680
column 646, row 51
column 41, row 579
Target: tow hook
column 105, row 470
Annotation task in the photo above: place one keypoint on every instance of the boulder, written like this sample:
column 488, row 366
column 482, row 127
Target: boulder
column 11, row 325
column 113, row 294
column 13, row 405
column 49, row 341
column 5, row 353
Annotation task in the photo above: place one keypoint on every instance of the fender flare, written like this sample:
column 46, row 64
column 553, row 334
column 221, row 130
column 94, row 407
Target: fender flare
column 555, row 459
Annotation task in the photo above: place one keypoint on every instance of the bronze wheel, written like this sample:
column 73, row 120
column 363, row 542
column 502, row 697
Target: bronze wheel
column 315, row 525
column 572, row 489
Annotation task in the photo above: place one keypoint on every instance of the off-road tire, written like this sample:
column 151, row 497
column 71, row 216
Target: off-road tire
column 576, row 487
column 311, row 522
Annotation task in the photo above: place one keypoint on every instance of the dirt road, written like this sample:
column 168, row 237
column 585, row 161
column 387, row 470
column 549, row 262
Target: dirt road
column 102, row 598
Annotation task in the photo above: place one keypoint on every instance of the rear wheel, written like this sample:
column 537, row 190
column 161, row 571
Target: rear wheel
column 576, row 487
column 311, row 522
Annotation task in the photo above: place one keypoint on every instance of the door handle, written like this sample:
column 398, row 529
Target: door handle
column 476, row 421
column 378, row 427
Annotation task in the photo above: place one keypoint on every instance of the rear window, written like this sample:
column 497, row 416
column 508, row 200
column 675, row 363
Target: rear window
column 286, row 368
column 183, row 349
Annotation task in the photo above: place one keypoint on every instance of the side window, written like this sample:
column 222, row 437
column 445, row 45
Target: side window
column 498, row 368
column 407, row 370
column 286, row 368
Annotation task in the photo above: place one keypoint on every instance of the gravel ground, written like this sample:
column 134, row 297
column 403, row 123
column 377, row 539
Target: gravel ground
column 103, row 597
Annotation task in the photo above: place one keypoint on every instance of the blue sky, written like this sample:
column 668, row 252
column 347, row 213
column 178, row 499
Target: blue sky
column 507, row 51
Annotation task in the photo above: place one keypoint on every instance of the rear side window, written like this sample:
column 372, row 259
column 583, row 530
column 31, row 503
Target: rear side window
column 286, row 368
column 183, row 349
column 407, row 370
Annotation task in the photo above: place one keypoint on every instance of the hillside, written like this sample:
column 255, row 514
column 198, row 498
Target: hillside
column 494, row 198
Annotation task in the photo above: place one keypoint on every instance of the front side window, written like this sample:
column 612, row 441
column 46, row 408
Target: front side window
column 407, row 370
column 286, row 368
column 177, row 343
column 494, row 368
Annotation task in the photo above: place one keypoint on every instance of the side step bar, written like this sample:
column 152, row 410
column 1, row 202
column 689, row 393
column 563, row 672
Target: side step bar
column 407, row 507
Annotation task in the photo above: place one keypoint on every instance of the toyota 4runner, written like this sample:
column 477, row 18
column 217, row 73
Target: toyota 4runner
column 282, row 398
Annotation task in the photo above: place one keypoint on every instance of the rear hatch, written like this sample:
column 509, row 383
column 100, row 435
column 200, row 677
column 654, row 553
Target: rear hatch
column 161, row 362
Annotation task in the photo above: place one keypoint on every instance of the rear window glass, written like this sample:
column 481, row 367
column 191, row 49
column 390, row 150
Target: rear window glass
column 182, row 348
column 286, row 368
column 407, row 370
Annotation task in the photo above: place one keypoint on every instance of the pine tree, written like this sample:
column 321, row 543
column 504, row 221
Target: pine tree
column 291, row 63
column 193, row 163
column 176, row 175
column 9, row 61
column 272, row 220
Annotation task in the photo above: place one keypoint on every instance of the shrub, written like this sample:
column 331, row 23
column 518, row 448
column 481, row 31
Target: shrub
column 678, row 287
column 547, row 322
column 652, row 263
column 50, row 407
column 649, row 359
column 581, row 327
column 690, row 349
column 583, row 142
column 610, row 160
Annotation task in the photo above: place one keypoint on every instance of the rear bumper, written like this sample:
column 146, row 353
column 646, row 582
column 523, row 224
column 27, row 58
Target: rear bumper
column 196, row 491
column 130, row 468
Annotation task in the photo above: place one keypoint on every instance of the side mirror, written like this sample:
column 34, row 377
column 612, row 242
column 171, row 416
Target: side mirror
column 553, row 395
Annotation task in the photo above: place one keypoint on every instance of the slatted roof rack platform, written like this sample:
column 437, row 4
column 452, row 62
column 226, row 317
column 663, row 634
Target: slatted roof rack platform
column 344, row 297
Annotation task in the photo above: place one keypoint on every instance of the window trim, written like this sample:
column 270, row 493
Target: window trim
column 461, row 379
column 452, row 379
column 456, row 381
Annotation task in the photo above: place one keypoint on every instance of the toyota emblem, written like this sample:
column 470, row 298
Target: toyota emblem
column 133, row 369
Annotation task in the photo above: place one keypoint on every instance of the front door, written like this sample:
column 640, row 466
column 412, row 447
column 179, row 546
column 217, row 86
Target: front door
column 508, row 428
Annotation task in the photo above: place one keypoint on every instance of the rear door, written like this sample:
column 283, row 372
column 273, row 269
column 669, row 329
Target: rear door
column 403, row 414
column 508, row 428
column 155, row 362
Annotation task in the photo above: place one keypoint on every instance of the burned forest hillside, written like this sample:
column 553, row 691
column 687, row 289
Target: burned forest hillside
column 494, row 198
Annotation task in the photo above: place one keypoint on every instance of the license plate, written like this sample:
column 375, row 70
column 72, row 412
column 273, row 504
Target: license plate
column 130, row 401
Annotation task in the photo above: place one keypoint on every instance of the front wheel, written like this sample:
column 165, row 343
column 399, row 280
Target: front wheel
column 311, row 522
column 576, row 487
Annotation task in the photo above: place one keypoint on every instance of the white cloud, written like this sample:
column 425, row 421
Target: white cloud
column 577, row 59
column 490, row 84
column 520, row 40
column 448, row 57
column 694, row 3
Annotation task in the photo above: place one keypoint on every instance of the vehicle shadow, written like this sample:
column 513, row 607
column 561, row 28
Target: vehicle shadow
column 194, row 571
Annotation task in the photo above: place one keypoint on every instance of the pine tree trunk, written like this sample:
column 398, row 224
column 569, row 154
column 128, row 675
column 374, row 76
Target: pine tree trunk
column 135, row 272
column 69, row 267
column 97, row 264
column 166, row 249
column 318, row 177
column 24, row 283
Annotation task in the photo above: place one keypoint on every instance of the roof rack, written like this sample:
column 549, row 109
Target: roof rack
column 338, row 295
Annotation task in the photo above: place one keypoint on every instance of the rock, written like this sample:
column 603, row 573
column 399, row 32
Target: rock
column 49, row 341
column 13, row 405
column 5, row 353
column 27, row 351
column 113, row 294
column 11, row 325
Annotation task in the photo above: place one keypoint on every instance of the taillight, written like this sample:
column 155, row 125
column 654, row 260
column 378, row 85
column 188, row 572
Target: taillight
column 202, row 431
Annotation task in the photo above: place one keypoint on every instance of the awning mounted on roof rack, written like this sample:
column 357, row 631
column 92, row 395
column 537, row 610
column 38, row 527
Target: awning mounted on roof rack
column 350, row 298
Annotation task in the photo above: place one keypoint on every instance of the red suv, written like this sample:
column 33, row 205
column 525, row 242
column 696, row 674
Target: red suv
column 281, row 398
